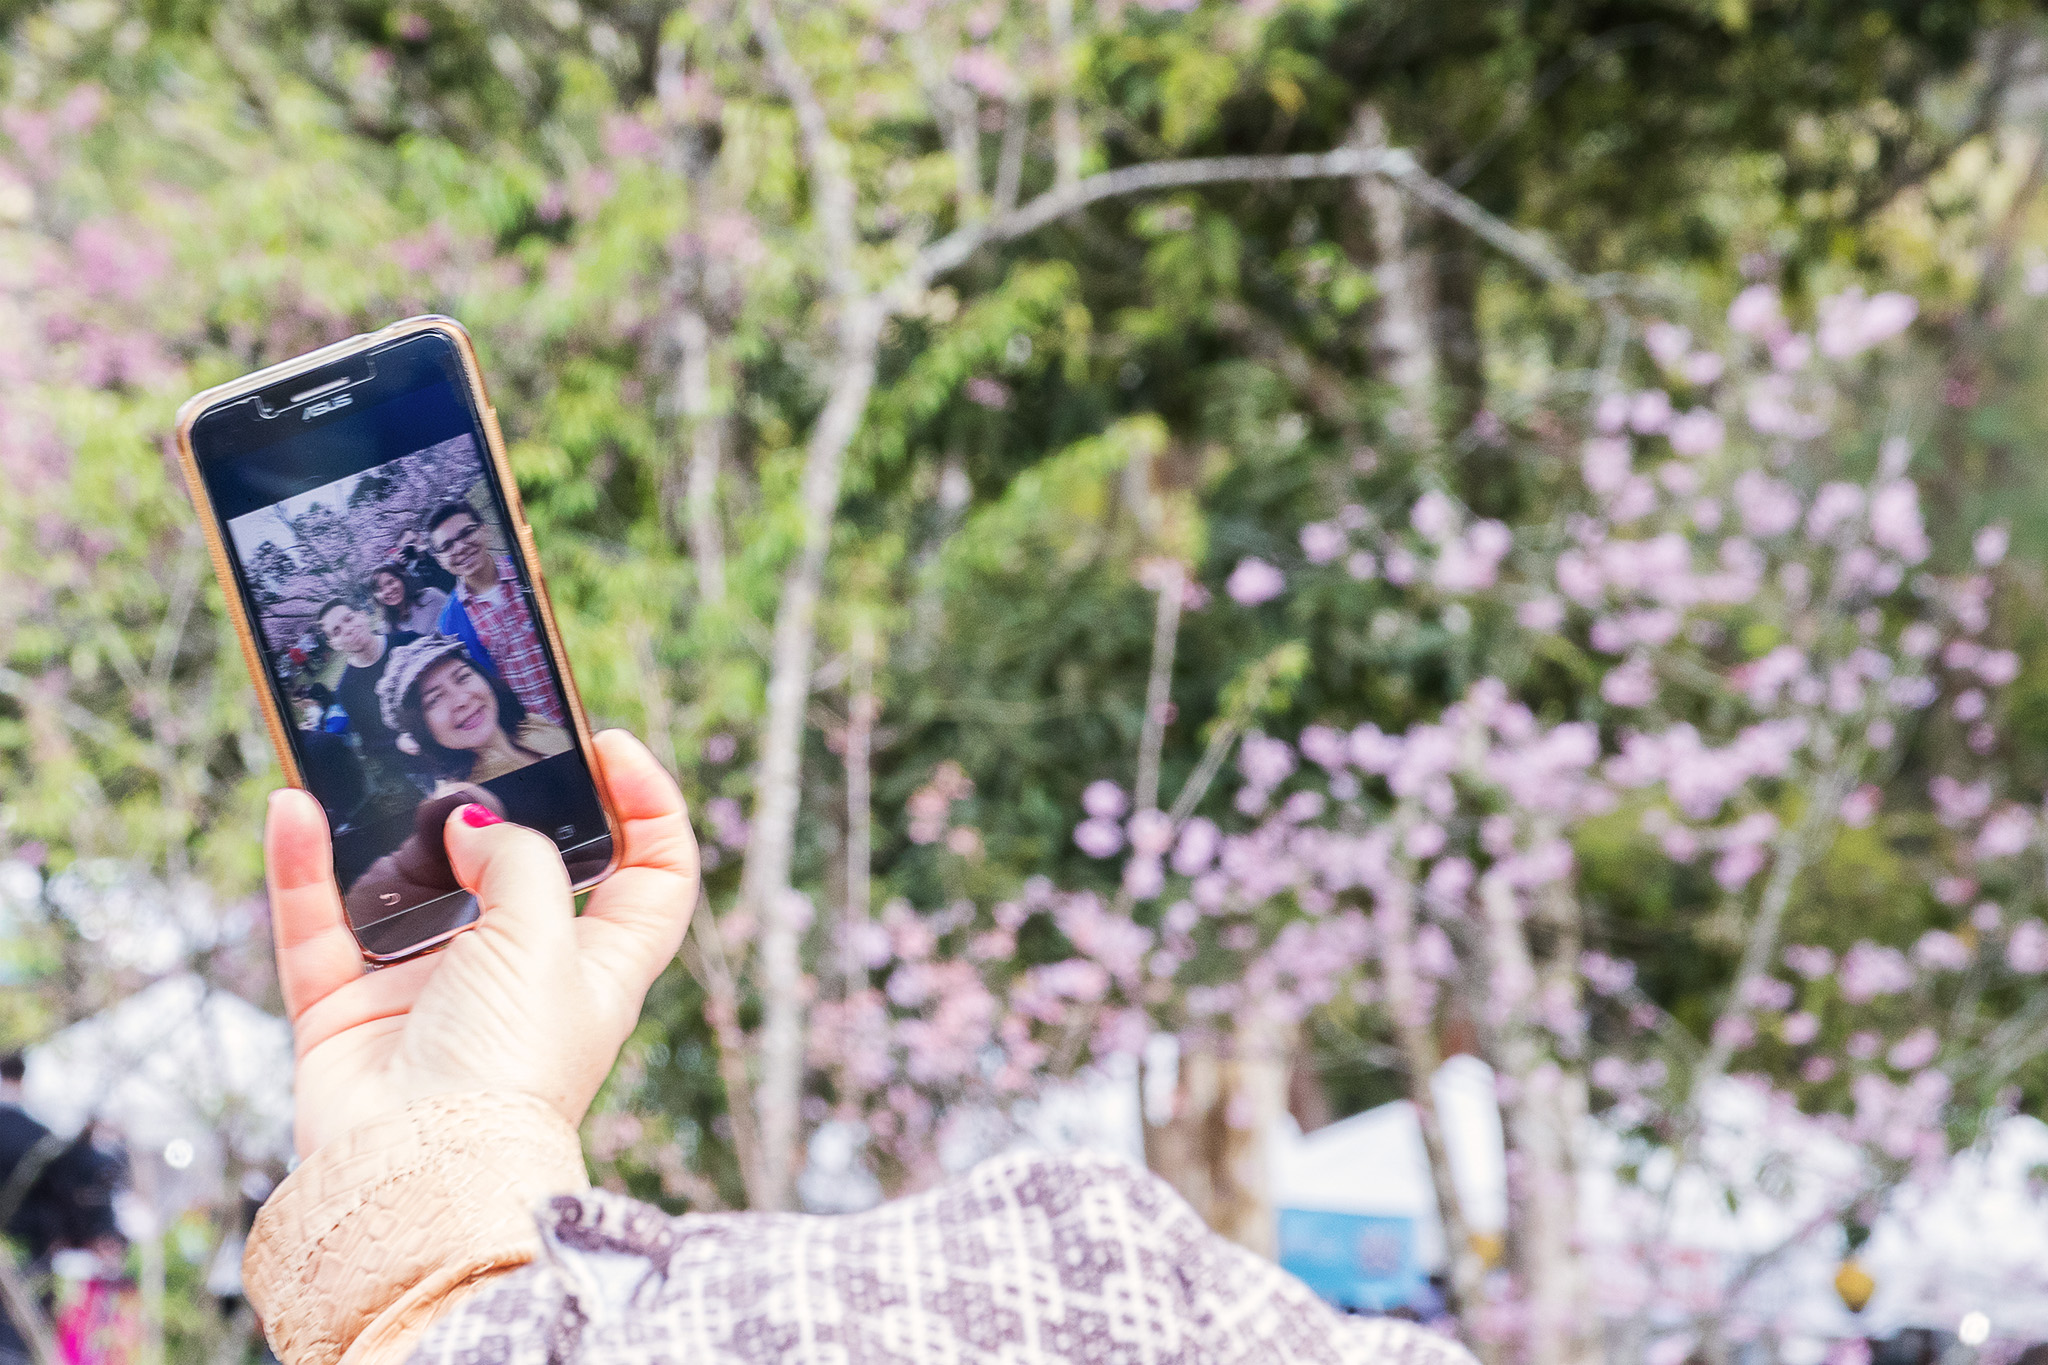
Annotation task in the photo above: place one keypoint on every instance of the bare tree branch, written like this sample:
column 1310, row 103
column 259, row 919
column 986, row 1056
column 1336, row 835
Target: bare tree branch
column 1401, row 332
column 825, row 157
column 705, row 957
column 1344, row 163
column 861, row 709
column 1066, row 118
column 1010, row 155
column 1159, row 684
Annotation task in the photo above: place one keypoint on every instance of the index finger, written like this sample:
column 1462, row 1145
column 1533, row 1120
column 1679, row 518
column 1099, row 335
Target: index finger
column 316, row 953
column 634, row 922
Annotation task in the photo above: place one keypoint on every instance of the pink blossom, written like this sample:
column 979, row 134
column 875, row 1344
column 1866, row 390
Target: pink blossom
column 1541, row 614
column 1998, row 667
column 1697, row 432
column 1756, row 312
column 1986, row 915
column 1151, row 833
column 1610, row 414
column 1649, row 412
column 728, row 823
column 1400, row 567
column 1425, row 840
column 1913, row 694
column 1667, row 342
column 1702, row 367
column 1799, row 1028
column 1631, row 685
column 2005, row 834
column 984, row 71
column 1435, row 517
column 1361, row 565
column 1434, row 955
column 1990, row 546
column 1254, row 581
column 1322, row 542
column 1578, row 577
column 1098, row 838
column 629, row 139
column 1104, row 799
column 1765, row 993
column 1606, row 975
column 1956, row 804
column 1860, row 805
column 1895, row 520
column 1144, row 878
column 1817, row 1070
column 1834, row 506
column 1919, row 640
column 1914, row 1051
column 2026, row 950
column 1939, row 950
column 1325, row 747
column 1870, row 970
column 1735, row 868
column 1851, row 324
column 1862, row 1045
column 1196, row 848
column 1679, row 479
column 1734, row 1031
column 989, row 393
column 1264, row 761
column 1768, row 507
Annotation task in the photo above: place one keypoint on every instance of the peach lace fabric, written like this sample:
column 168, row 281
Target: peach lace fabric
column 1027, row 1260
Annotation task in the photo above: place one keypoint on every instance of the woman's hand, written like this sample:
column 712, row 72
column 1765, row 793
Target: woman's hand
column 534, row 999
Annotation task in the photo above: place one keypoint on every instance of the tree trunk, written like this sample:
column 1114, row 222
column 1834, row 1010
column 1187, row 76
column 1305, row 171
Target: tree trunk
column 1159, row 683
column 1066, row 118
column 1546, row 1105
column 1216, row 1148
column 765, row 881
column 702, row 424
column 1420, row 1057
column 861, row 709
column 1401, row 343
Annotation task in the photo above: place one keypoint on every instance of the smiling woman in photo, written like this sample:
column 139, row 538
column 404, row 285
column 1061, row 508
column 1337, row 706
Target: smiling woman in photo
column 469, row 726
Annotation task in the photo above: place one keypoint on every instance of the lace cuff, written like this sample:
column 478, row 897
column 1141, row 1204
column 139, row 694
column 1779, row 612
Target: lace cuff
column 366, row 1243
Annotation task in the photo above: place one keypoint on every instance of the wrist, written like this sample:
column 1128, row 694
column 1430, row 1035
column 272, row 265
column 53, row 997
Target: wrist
column 365, row 1242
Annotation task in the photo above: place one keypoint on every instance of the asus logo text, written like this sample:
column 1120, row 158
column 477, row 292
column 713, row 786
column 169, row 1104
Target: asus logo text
column 326, row 405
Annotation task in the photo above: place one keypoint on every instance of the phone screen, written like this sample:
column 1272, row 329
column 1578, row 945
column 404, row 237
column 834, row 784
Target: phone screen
column 398, row 625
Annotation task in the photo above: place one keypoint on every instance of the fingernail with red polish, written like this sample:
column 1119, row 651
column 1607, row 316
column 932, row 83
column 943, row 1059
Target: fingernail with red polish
column 479, row 817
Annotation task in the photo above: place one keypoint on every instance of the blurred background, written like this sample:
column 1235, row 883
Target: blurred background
column 1428, row 618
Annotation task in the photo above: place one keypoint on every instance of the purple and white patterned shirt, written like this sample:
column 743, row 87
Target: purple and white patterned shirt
column 1026, row 1260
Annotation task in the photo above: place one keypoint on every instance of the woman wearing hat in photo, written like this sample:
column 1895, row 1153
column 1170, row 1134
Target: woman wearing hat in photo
column 467, row 723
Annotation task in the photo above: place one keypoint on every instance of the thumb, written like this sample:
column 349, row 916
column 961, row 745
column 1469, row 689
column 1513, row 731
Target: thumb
column 514, row 873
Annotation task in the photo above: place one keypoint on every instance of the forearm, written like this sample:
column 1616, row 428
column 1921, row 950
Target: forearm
column 382, row 1229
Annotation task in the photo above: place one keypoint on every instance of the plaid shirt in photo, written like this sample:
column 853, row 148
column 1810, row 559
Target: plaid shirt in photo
column 505, row 625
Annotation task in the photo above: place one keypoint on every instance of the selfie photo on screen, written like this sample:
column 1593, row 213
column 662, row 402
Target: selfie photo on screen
column 405, row 685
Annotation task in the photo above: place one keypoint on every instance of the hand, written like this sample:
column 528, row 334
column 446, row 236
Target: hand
column 534, row 999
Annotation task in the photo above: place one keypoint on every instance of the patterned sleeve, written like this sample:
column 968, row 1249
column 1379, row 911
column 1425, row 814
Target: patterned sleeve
column 1027, row 1260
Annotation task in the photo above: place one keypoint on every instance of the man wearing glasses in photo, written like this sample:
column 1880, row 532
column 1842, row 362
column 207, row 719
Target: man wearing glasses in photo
column 487, row 612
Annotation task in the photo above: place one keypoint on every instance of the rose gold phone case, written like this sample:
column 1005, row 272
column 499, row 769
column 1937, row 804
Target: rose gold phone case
column 245, row 629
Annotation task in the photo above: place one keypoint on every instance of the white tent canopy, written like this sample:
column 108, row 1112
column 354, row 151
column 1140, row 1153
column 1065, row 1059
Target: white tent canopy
column 1765, row 1197
column 178, row 1062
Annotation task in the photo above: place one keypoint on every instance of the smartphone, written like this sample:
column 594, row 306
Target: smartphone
column 367, row 532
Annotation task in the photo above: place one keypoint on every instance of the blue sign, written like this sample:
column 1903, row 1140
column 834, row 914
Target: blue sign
column 1362, row 1261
